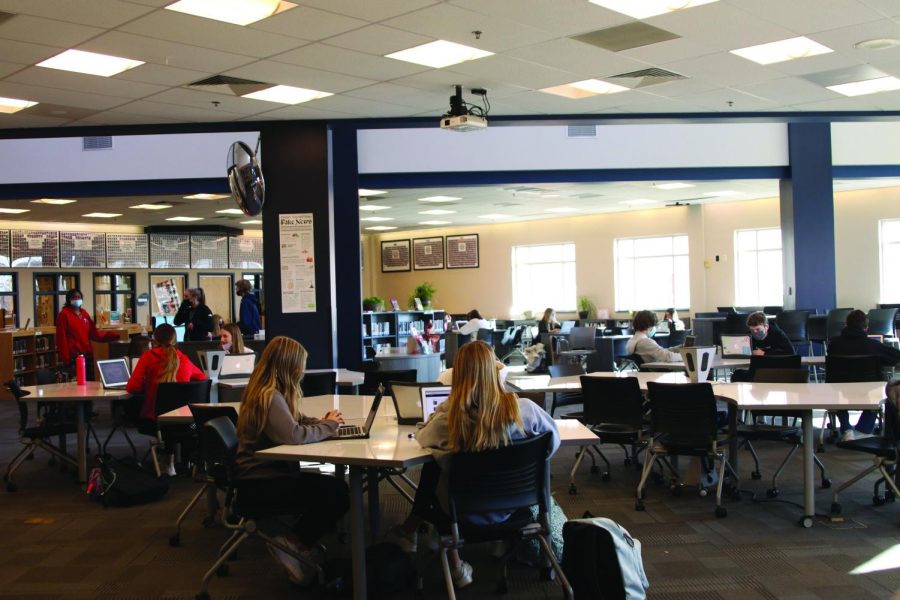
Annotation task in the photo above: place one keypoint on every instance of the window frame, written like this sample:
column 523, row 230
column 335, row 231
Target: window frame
column 56, row 293
column 14, row 294
column 520, row 303
column 617, row 269
column 757, row 301
column 114, row 293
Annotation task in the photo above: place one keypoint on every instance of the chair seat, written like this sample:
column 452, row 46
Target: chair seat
column 772, row 433
column 686, row 446
column 878, row 446
column 50, row 430
column 614, row 432
column 508, row 529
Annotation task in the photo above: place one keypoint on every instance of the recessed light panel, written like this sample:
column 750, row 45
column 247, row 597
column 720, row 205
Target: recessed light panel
column 642, row 9
column 675, row 185
column 55, row 201
column 377, row 219
column 90, row 63
column 287, row 94
column 493, row 216
column 438, row 199
column 439, row 54
column 230, row 211
column 364, row 193
column 561, row 209
column 185, row 219
column 380, row 228
column 437, row 211
column 151, row 206
column 869, row 86
column 102, row 215
column 14, row 211
column 373, row 207
column 9, row 106
column 236, row 12
column 584, row 89
column 776, row 52
column 252, row 222
column 207, row 196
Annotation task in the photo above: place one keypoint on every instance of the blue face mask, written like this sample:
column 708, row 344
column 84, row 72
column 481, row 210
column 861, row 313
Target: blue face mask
column 77, row 303
column 652, row 332
column 759, row 335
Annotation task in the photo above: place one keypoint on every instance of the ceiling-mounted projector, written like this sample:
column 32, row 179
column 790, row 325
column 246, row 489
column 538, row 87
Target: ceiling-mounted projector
column 463, row 116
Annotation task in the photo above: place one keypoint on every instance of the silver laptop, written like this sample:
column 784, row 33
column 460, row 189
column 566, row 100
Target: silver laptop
column 237, row 366
column 566, row 326
column 736, row 346
column 407, row 398
column 355, row 432
column 114, row 373
column 432, row 397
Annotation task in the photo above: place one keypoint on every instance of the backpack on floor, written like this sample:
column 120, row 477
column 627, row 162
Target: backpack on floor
column 124, row 482
column 602, row 561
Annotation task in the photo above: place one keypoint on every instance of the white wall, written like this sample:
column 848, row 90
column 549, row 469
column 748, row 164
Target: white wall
column 865, row 143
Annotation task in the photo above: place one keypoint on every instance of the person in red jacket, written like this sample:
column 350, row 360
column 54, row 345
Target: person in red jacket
column 163, row 363
column 74, row 331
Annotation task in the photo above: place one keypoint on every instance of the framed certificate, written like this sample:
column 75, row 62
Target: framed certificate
column 428, row 253
column 462, row 251
column 395, row 256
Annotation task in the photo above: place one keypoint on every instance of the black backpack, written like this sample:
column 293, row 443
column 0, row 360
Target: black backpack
column 124, row 482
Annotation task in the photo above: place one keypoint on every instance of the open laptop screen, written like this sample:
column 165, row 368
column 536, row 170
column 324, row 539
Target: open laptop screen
column 237, row 365
column 736, row 345
column 113, row 372
column 431, row 398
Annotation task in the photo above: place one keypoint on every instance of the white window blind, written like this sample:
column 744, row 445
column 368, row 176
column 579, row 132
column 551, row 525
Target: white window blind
column 652, row 273
column 544, row 276
column 758, row 279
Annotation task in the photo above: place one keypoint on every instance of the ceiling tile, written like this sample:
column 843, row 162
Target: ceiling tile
column 308, row 23
column 361, row 107
column 304, row 111
column 7, row 68
column 370, row 11
column 442, row 82
column 730, row 100
column 24, row 120
column 168, row 111
column 560, row 16
column 401, row 95
column 270, row 71
column 35, row 93
column 378, row 40
column 888, row 8
column 721, row 26
column 576, row 57
column 162, row 75
column 99, row 13
column 65, row 80
column 514, row 72
column 27, row 54
column 228, row 105
column 810, row 16
column 348, row 62
column 36, row 30
column 724, row 68
column 164, row 52
column 860, row 103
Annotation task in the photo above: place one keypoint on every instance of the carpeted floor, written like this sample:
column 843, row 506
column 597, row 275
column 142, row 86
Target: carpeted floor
column 56, row 543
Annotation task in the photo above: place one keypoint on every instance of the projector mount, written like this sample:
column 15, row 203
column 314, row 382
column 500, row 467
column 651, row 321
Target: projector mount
column 459, row 107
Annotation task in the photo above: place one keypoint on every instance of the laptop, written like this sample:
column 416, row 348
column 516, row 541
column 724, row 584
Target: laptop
column 662, row 327
column 736, row 346
column 408, row 401
column 114, row 373
column 355, row 432
column 566, row 326
column 432, row 397
column 237, row 366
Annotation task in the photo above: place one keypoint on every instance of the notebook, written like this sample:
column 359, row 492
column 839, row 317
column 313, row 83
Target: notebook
column 114, row 373
column 432, row 397
column 355, row 432
column 736, row 346
column 237, row 366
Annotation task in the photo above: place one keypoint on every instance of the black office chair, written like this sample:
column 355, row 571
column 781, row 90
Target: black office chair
column 486, row 336
column 735, row 324
column 886, row 452
column 774, row 361
column 755, row 428
column 209, row 469
column 881, row 322
column 319, row 384
column 35, row 438
column 676, row 338
column 249, row 501
column 511, row 478
column 632, row 362
column 171, row 396
column 773, row 310
column 847, row 369
column 614, row 410
column 684, row 423
column 373, row 379
column 795, row 323
column 727, row 310
column 565, row 398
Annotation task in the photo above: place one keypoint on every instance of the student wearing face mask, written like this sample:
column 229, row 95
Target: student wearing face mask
column 232, row 340
column 75, row 330
column 642, row 342
column 767, row 339
column 195, row 315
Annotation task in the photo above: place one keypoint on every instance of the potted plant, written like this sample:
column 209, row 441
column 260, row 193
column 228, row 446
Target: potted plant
column 586, row 308
column 424, row 292
column 373, row 303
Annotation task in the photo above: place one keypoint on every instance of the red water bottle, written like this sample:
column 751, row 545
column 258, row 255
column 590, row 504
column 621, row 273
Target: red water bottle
column 80, row 370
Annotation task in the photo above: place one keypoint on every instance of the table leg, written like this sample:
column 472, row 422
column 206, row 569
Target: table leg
column 733, row 438
column 357, row 533
column 374, row 507
column 809, row 481
column 81, row 440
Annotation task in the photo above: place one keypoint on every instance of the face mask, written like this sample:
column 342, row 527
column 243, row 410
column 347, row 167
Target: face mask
column 226, row 347
column 77, row 303
column 652, row 332
column 759, row 335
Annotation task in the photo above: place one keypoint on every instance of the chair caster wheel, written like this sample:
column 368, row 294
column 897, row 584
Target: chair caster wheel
column 175, row 540
column 548, row 574
column 835, row 508
column 605, row 477
column 878, row 501
column 639, row 505
column 806, row 522
column 594, row 469
column 223, row 570
column 573, row 489
column 889, row 495
column 11, row 487
column 721, row 512
column 703, row 492
column 826, row 483
column 756, row 475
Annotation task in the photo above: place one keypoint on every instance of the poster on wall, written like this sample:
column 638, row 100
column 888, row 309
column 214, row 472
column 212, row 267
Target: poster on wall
column 298, row 266
column 428, row 253
column 167, row 297
column 395, row 256
column 462, row 251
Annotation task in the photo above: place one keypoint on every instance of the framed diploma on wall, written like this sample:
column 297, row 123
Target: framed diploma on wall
column 462, row 251
column 428, row 253
column 395, row 256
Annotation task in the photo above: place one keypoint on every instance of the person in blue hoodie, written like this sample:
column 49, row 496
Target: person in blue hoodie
column 249, row 317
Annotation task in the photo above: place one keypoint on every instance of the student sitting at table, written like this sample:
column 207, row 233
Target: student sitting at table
column 671, row 317
column 473, row 324
column 854, row 341
column 162, row 364
column 767, row 338
column 232, row 341
column 270, row 416
column 548, row 323
column 478, row 415
column 642, row 342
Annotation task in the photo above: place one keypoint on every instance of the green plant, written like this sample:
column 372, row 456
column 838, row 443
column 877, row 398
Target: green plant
column 586, row 305
column 373, row 303
column 425, row 292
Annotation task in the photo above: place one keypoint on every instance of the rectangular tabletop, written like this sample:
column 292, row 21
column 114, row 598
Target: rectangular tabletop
column 728, row 363
column 72, row 392
column 355, row 408
column 572, row 383
column 803, row 396
column 344, row 377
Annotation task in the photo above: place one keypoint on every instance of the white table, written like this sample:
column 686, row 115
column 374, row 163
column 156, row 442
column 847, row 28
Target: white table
column 345, row 377
column 572, row 383
column 728, row 363
column 80, row 396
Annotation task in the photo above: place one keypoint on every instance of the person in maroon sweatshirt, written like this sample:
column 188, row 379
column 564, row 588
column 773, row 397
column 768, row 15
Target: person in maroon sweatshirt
column 74, row 331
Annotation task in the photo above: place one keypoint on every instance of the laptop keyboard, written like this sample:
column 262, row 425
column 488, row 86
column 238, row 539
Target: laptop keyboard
column 348, row 430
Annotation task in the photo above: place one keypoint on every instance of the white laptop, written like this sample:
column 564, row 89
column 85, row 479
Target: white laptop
column 566, row 326
column 407, row 398
column 736, row 346
column 237, row 366
column 432, row 397
column 114, row 373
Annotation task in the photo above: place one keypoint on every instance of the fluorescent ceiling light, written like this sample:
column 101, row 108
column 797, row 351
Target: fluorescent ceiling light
column 364, row 193
column 152, row 206
column 437, row 199
column 207, row 196
column 230, row 211
column 437, row 211
column 439, row 54
column 377, row 219
column 184, row 219
column 287, row 94
column 435, row 222
column 237, row 12
column 584, row 89
column 494, row 216
column 869, row 86
column 641, row 9
column 102, row 215
column 775, row 52
column 9, row 106
column 561, row 209
column 14, row 211
column 252, row 222
column 380, row 228
column 59, row 201
column 638, row 202
column 675, row 185
column 373, row 207
column 91, row 63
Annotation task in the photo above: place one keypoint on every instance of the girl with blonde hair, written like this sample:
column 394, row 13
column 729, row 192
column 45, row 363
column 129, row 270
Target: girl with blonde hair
column 478, row 415
column 270, row 416
column 232, row 340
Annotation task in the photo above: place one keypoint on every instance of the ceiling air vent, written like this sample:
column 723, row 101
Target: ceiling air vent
column 645, row 77
column 229, row 85
column 5, row 16
column 582, row 131
column 96, row 142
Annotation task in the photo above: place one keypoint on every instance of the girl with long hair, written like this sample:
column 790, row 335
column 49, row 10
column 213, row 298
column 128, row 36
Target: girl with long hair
column 231, row 340
column 270, row 416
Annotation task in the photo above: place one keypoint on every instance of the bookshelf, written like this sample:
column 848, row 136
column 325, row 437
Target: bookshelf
column 393, row 327
column 22, row 353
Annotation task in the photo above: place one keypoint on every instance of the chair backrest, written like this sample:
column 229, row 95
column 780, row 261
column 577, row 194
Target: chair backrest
column 18, row 393
column 192, row 349
column 725, row 309
column 843, row 369
column 172, row 395
column 372, row 379
column 788, row 361
column 207, row 412
column 686, row 412
column 614, row 400
column 676, row 338
column 486, row 335
column 773, row 310
column 220, row 442
column 892, row 412
column 709, row 315
column 502, row 479
column 735, row 323
column 319, row 384
column 565, row 369
column 582, row 338
column 835, row 321
column 44, row 376
column 881, row 321
column 794, row 324
column 779, row 375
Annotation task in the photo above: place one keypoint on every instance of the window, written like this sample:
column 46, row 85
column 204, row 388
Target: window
column 114, row 297
column 652, row 273
column 758, row 279
column 543, row 276
column 889, row 243
column 50, row 295
column 9, row 299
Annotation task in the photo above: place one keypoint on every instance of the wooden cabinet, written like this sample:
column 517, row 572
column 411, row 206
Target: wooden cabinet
column 22, row 353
